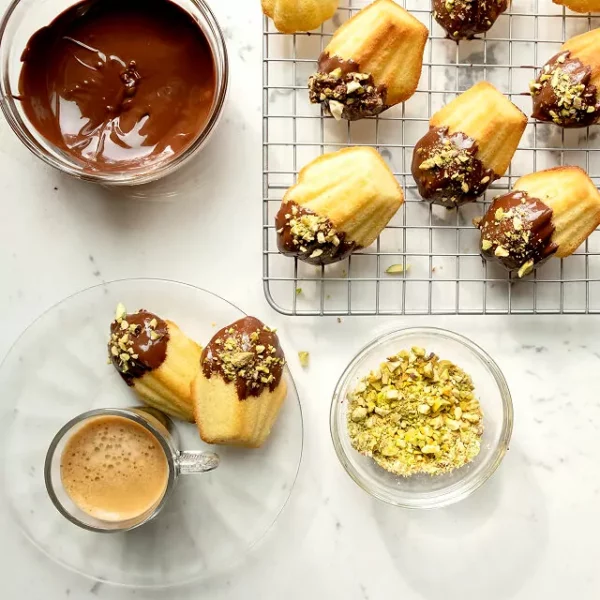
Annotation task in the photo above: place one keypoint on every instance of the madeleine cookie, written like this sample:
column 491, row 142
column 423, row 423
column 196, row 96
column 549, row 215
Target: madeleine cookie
column 373, row 62
column 549, row 213
column 156, row 359
column 566, row 90
column 470, row 144
column 464, row 19
column 580, row 6
column 240, row 388
column 291, row 16
column 341, row 203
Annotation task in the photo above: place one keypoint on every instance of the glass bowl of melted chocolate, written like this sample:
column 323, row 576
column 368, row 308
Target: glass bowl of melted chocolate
column 115, row 92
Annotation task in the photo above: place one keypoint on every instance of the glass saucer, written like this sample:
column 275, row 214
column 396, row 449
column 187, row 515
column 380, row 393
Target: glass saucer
column 58, row 369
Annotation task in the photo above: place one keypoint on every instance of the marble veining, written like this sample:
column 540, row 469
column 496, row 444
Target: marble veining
column 530, row 533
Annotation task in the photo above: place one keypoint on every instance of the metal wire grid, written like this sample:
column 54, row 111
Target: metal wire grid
column 443, row 272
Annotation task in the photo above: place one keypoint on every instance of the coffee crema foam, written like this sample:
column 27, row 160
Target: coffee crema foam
column 113, row 469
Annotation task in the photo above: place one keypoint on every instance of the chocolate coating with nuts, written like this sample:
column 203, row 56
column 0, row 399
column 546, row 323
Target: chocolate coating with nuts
column 563, row 94
column 310, row 237
column 138, row 344
column 344, row 91
column 246, row 353
column 517, row 232
column 464, row 19
column 447, row 170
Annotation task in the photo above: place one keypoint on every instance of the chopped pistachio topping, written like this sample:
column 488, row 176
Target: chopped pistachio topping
column 526, row 268
column 304, row 358
column 397, row 269
column 252, row 362
column 509, row 234
column 346, row 93
column 121, row 312
column 574, row 99
column 453, row 166
column 416, row 414
column 309, row 229
column 121, row 343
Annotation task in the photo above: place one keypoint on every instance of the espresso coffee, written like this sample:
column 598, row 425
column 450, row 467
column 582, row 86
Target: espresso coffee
column 119, row 85
column 114, row 469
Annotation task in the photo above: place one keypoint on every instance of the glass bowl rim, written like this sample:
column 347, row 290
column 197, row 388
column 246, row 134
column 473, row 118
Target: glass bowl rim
column 226, row 566
column 444, row 498
column 81, row 419
column 136, row 176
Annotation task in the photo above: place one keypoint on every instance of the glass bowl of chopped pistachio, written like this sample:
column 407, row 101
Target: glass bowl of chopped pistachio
column 421, row 418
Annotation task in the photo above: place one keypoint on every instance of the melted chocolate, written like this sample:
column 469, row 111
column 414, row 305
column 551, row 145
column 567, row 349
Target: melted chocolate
column 312, row 238
column 447, row 170
column 119, row 84
column 563, row 94
column 517, row 232
column 246, row 353
column 345, row 91
column 144, row 343
column 464, row 19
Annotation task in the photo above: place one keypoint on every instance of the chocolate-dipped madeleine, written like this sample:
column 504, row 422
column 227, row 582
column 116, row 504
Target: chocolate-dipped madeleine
column 549, row 213
column 240, row 388
column 470, row 144
column 291, row 16
column 566, row 90
column 464, row 19
column 341, row 203
column 156, row 359
column 580, row 6
column 373, row 62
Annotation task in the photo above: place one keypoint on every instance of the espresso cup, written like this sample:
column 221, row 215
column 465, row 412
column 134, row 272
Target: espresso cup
column 112, row 470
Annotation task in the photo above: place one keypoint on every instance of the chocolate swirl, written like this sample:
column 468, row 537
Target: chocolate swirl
column 246, row 353
column 517, row 232
column 464, row 19
column 447, row 170
column 345, row 91
column 310, row 237
column 563, row 94
column 138, row 344
column 119, row 85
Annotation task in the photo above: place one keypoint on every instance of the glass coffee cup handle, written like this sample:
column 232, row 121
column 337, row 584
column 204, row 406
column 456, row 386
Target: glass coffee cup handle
column 191, row 462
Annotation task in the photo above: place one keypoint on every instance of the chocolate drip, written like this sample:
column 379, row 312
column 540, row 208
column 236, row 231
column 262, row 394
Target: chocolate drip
column 345, row 91
column 517, row 232
column 119, row 85
column 563, row 94
column 310, row 237
column 246, row 353
column 464, row 19
column 447, row 170
column 138, row 344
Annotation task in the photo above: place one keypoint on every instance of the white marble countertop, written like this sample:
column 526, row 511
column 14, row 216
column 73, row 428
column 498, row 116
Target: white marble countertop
column 530, row 532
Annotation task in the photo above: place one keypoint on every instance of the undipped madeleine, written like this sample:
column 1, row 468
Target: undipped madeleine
column 291, row 16
column 470, row 144
column 548, row 213
column 581, row 6
column 373, row 62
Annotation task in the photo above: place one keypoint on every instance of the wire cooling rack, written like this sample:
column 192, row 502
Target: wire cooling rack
column 439, row 249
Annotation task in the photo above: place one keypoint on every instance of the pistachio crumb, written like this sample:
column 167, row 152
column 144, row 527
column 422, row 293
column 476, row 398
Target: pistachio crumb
column 416, row 414
column 304, row 358
column 397, row 269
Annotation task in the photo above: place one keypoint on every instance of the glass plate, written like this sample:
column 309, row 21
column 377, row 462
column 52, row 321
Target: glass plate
column 58, row 369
